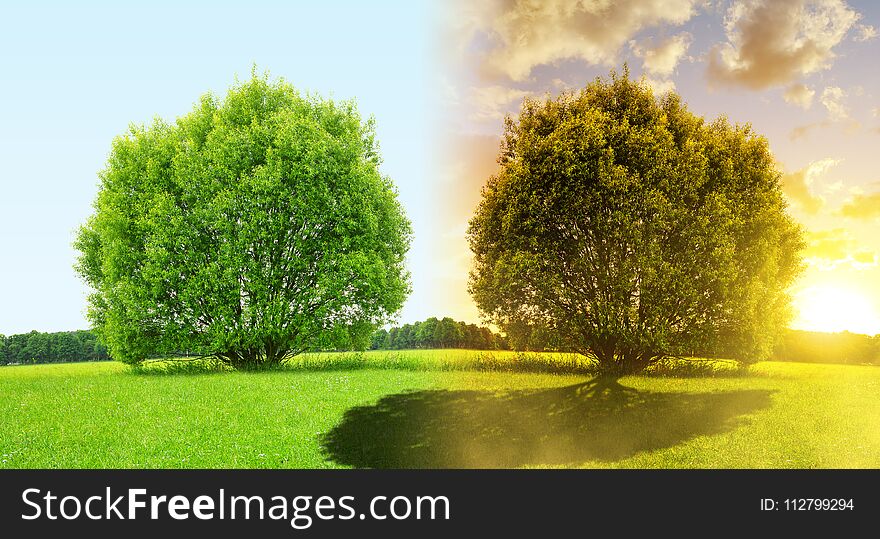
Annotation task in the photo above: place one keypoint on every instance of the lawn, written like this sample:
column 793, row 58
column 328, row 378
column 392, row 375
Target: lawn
column 437, row 409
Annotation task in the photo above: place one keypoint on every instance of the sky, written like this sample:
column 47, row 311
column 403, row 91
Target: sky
column 75, row 75
column 439, row 77
column 801, row 72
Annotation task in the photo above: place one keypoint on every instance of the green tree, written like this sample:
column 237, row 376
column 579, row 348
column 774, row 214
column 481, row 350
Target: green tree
column 631, row 230
column 405, row 337
column 252, row 229
column 37, row 348
column 446, row 333
column 391, row 338
column 434, row 333
column 377, row 341
column 69, row 347
column 426, row 333
column 15, row 348
column 413, row 341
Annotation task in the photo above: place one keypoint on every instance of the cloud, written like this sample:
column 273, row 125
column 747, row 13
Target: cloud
column 802, row 131
column 800, row 95
column 493, row 102
column 833, row 187
column 848, row 127
column 524, row 34
column 662, row 58
column 798, row 186
column 828, row 244
column 862, row 206
column 865, row 32
column 832, row 99
column 865, row 257
column 771, row 43
column 659, row 86
column 829, row 249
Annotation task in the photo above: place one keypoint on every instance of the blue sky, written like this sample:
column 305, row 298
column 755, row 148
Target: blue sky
column 74, row 75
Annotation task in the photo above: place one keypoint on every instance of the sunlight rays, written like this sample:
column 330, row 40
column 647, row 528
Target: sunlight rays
column 835, row 308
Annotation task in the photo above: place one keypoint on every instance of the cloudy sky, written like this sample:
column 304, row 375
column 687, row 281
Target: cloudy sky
column 439, row 78
column 802, row 72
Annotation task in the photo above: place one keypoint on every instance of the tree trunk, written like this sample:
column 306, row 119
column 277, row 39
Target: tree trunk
column 254, row 359
column 614, row 362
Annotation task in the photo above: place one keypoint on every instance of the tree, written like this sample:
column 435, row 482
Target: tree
column 69, row 347
column 37, row 347
column 434, row 333
column 446, row 333
column 252, row 229
column 631, row 230
column 377, row 341
column 15, row 348
column 427, row 332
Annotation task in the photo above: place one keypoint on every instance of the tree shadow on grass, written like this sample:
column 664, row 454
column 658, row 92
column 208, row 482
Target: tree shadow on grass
column 595, row 420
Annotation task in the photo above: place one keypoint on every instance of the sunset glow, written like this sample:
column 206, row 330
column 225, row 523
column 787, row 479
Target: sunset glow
column 835, row 308
column 819, row 112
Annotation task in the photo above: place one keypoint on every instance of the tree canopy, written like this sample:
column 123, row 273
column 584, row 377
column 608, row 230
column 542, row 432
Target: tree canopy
column 253, row 228
column 434, row 333
column 59, row 347
column 630, row 229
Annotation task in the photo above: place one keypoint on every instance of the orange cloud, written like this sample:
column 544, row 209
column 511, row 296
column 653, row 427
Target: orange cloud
column 529, row 33
column 829, row 249
column 865, row 206
column 832, row 99
column 797, row 186
column 800, row 95
column 662, row 58
column 830, row 244
column 775, row 42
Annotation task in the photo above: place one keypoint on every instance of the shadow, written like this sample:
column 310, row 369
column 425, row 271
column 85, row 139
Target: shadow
column 596, row 420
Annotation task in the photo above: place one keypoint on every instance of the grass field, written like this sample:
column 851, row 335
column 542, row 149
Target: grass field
column 437, row 409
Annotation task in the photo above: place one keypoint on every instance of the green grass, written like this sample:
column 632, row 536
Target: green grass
column 442, row 408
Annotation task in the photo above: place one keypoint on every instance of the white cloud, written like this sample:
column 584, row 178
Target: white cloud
column 865, row 32
column 662, row 58
column 832, row 99
column 775, row 42
column 493, row 102
column 528, row 33
column 659, row 86
column 800, row 95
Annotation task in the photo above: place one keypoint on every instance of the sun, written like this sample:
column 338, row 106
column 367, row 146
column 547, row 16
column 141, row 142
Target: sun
column 835, row 308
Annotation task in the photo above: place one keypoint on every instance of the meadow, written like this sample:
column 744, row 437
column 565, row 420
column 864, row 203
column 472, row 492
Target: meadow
column 438, row 408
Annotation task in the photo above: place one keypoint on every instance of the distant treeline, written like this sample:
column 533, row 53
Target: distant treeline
column 38, row 347
column 816, row 347
column 442, row 333
column 796, row 345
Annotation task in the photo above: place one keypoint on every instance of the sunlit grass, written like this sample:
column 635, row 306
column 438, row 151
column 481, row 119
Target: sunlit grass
column 377, row 408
